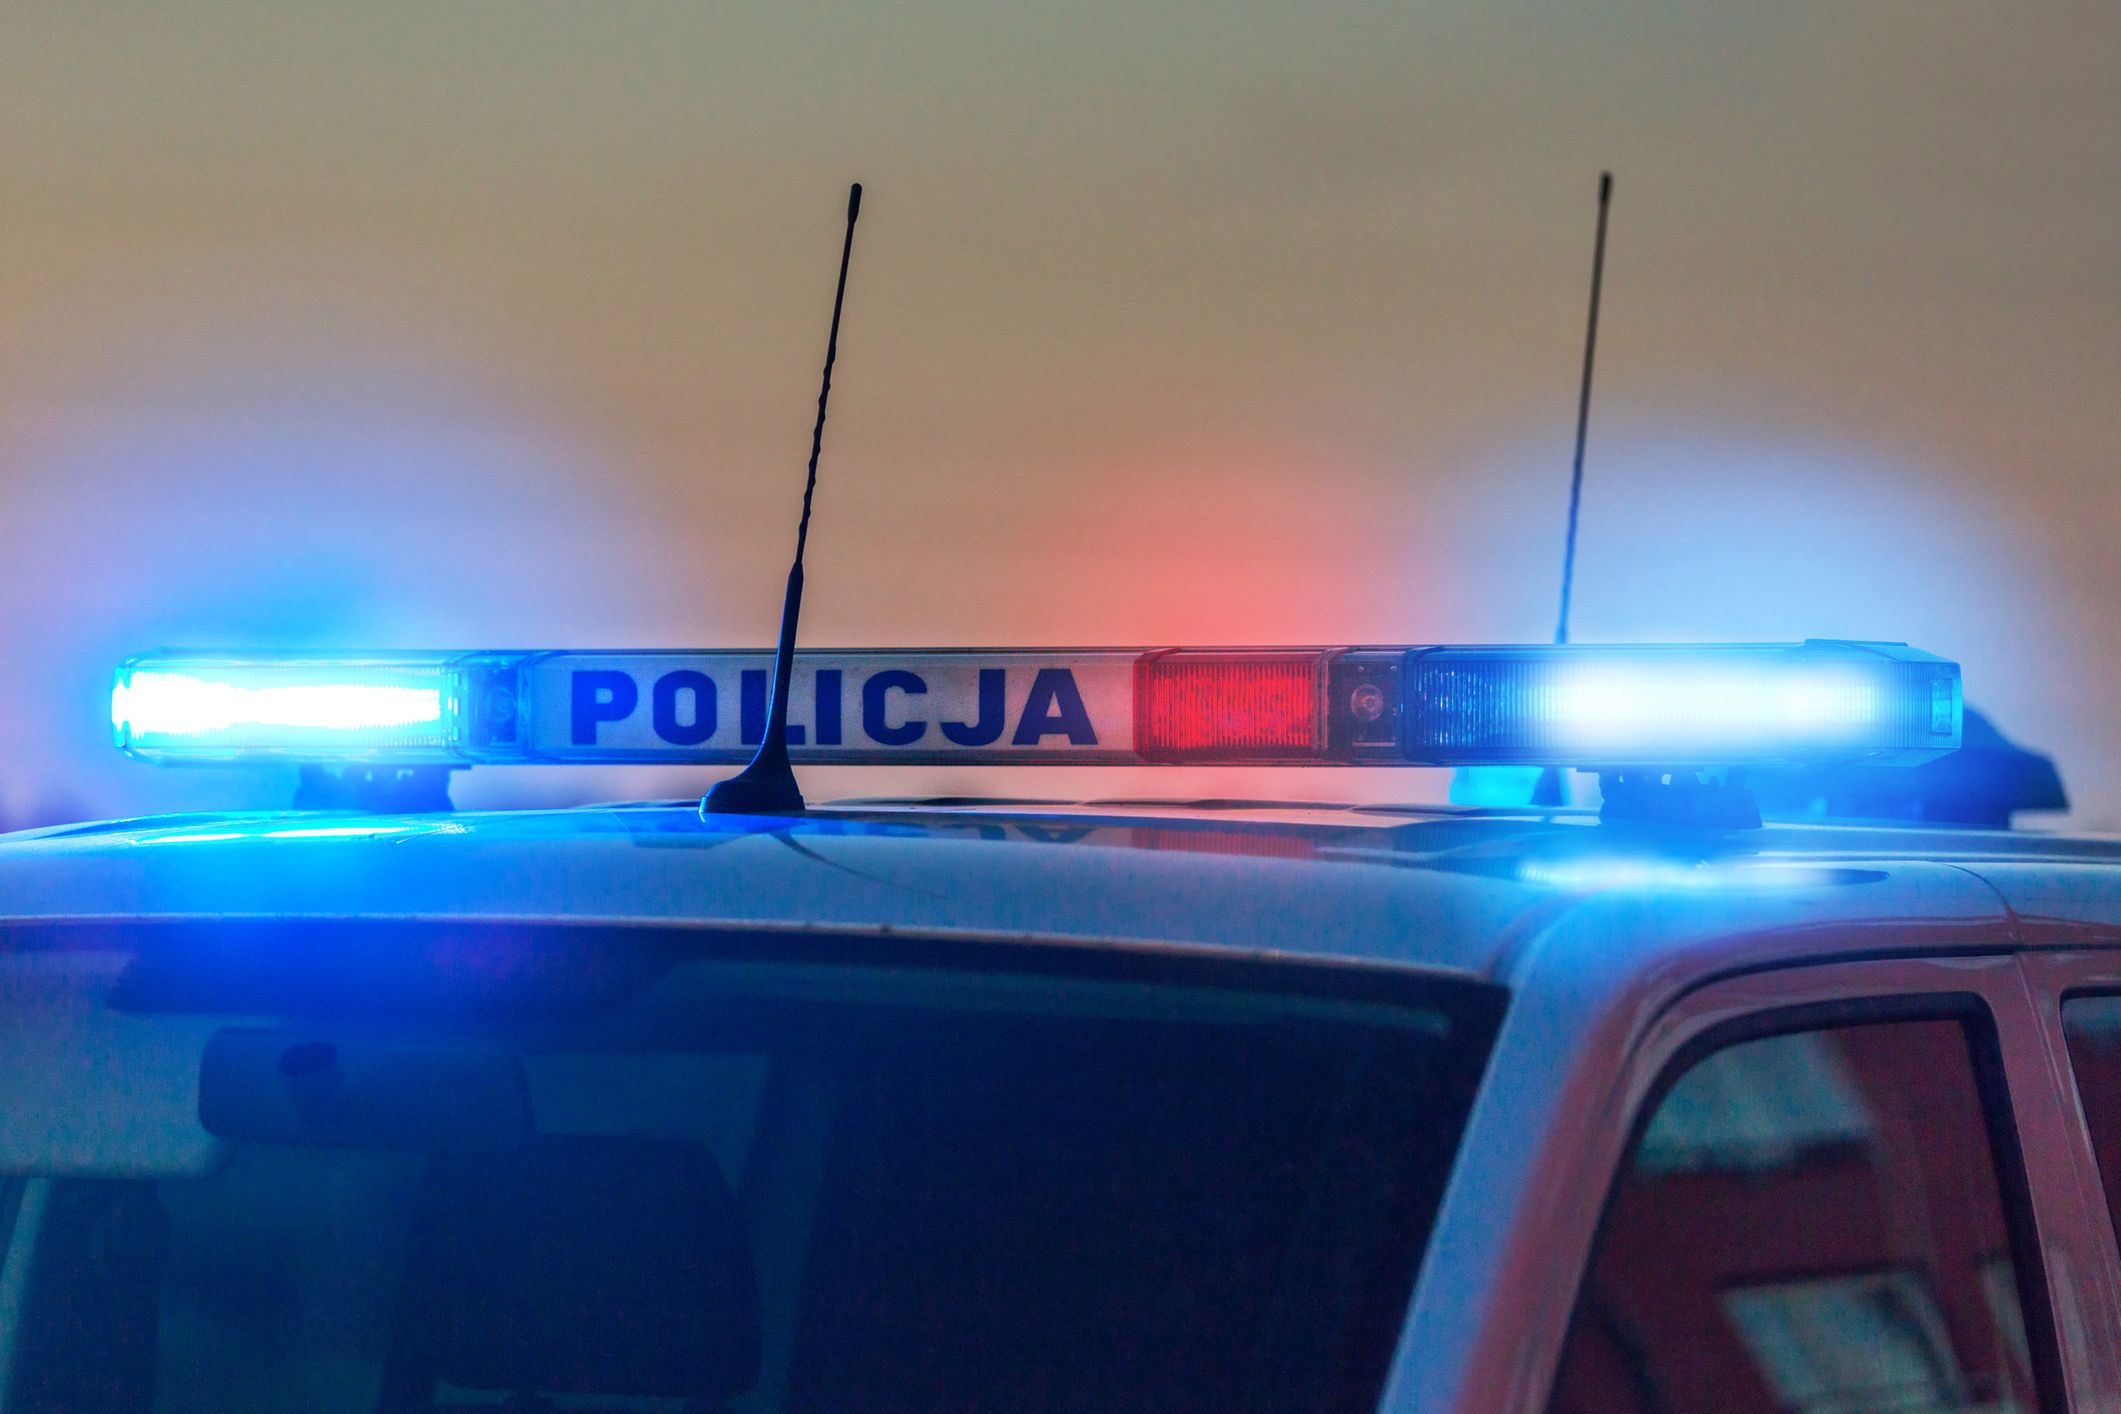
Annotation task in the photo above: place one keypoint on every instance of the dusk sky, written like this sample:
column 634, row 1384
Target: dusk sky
column 498, row 325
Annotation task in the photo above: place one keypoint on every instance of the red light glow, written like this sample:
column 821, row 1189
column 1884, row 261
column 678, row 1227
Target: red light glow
column 1257, row 706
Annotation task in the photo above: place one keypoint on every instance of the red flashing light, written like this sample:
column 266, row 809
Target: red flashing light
column 1229, row 706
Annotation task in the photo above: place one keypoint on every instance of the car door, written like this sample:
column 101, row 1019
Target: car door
column 2076, row 996
column 1827, row 1188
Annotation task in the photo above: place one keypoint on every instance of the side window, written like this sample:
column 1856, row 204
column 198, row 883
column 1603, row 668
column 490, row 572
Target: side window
column 1809, row 1221
column 2092, row 1026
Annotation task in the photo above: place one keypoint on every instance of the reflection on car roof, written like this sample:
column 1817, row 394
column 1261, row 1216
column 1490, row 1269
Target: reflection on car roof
column 1434, row 888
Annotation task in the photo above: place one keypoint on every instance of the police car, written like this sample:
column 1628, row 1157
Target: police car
column 1124, row 1105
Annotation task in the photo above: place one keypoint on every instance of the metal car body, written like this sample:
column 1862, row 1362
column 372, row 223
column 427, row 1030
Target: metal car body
column 1611, row 950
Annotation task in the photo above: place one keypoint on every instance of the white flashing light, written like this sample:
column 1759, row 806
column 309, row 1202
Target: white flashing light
column 1600, row 707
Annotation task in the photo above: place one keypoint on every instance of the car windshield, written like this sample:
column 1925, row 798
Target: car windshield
column 404, row 1166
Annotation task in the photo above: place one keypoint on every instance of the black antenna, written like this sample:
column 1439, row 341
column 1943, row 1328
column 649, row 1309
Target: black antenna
column 767, row 786
column 1552, row 787
column 1583, row 409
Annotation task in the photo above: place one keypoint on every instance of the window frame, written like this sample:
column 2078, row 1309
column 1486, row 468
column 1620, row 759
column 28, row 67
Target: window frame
column 2069, row 1331
column 2052, row 978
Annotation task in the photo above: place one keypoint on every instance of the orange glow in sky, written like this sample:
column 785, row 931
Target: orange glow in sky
column 470, row 326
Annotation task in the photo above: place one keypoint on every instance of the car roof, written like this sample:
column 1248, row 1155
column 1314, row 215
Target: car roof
column 1456, row 891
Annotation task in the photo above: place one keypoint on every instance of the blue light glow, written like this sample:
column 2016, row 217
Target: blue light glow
column 182, row 705
column 179, row 708
column 1621, row 706
column 307, row 832
column 1494, row 787
column 349, row 832
column 1655, row 875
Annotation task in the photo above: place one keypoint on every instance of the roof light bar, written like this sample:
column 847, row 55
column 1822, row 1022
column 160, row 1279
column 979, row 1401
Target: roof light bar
column 1575, row 705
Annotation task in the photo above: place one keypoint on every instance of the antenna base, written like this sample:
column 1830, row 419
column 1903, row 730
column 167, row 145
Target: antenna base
column 1681, row 798
column 762, row 788
column 1551, row 790
column 375, row 790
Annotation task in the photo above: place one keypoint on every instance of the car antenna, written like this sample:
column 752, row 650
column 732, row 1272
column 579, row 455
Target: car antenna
column 1550, row 790
column 767, row 786
column 1583, row 408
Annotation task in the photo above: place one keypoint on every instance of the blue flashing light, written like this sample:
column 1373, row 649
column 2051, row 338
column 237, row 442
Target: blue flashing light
column 184, row 707
column 1729, row 705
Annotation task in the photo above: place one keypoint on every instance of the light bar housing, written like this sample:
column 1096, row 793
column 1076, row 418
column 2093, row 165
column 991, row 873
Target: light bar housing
column 1589, row 706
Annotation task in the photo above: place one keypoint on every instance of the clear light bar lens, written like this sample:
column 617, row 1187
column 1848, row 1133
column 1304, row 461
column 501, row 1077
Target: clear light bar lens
column 1588, row 706
column 202, row 709
column 1591, row 706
